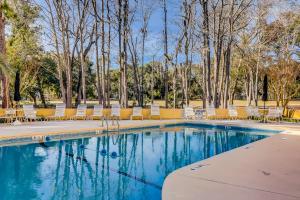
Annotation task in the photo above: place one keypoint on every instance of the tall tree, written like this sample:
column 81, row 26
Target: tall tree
column 206, row 87
column 166, row 54
column 4, row 10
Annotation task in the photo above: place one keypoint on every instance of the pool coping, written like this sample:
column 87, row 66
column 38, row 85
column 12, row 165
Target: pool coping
column 73, row 134
column 97, row 132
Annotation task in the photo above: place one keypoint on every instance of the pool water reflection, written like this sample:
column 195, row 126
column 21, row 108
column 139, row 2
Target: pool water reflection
column 127, row 166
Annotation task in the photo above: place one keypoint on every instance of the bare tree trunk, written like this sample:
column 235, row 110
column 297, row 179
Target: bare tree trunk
column 218, row 48
column 206, row 53
column 204, row 87
column 4, row 77
column 79, row 87
column 134, row 60
column 103, row 52
column 166, row 78
column 256, row 78
column 58, row 57
column 142, row 73
column 233, row 90
column 99, row 92
column 144, row 32
column 221, row 90
column 82, row 27
column 5, row 91
column 250, row 87
column 174, row 86
column 108, row 54
column 124, row 99
column 227, row 75
column 64, row 23
column 83, row 69
column 186, row 24
column 120, row 49
column 152, row 81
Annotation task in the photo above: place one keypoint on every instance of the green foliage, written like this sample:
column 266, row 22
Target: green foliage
column 7, row 10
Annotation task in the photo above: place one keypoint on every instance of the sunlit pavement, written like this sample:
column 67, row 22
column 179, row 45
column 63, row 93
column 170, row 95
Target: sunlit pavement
column 263, row 170
column 69, row 126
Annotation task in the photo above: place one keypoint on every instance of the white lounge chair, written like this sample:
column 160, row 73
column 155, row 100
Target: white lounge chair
column 210, row 112
column 274, row 113
column 115, row 112
column 98, row 113
column 59, row 114
column 249, row 112
column 280, row 112
column 137, row 112
column 255, row 112
column 232, row 112
column 189, row 113
column 81, row 112
column 9, row 115
column 30, row 113
column 155, row 111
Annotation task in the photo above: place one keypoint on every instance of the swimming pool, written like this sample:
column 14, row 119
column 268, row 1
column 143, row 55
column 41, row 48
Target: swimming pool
column 132, row 165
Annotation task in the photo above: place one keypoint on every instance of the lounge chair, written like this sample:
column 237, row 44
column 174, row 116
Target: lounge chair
column 81, row 112
column 30, row 113
column 210, row 112
column 280, row 112
column 189, row 113
column 249, row 112
column 9, row 115
column 137, row 112
column 253, row 112
column 155, row 111
column 98, row 112
column 115, row 112
column 59, row 114
column 232, row 112
column 256, row 113
column 274, row 113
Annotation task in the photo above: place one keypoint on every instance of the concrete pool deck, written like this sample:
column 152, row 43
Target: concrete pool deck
column 70, row 126
column 267, row 169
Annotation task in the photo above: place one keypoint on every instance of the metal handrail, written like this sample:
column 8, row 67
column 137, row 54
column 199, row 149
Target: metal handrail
column 106, row 121
column 118, row 125
column 107, row 125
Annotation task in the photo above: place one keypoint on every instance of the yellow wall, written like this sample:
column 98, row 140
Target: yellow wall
column 165, row 113
column 125, row 113
column 295, row 114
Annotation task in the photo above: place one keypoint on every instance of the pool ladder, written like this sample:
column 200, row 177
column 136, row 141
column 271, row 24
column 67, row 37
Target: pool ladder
column 107, row 125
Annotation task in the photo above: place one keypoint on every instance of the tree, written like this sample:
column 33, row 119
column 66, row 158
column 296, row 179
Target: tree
column 166, row 54
column 205, row 52
column 5, row 12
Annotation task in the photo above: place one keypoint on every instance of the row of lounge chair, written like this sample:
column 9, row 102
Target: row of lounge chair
column 252, row 113
column 30, row 114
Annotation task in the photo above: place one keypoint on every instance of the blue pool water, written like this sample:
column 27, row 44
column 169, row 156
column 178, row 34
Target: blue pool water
column 129, row 166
